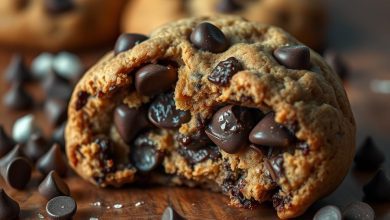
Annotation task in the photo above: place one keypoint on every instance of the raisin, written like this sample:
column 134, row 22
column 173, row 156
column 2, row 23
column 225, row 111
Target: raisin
column 224, row 71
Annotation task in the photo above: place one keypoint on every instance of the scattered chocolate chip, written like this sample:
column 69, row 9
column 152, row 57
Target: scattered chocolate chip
column 230, row 126
column 275, row 167
column 369, row 156
column 144, row 154
column 358, row 211
column 171, row 214
column 82, row 98
column 68, row 66
column 9, row 208
column 336, row 63
column 42, row 65
column 154, row 79
column 61, row 207
column 328, row 212
column 24, row 127
column 14, row 153
column 58, row 136
column 17, row 172
column 224, row 71
column 58, row 6
column 378, row 189
column 194, row 156
column 55, row 111
column 228, row 6
column 17, row 98
column 293, row 57
column 208, row 37
column 17, row 70
column 53, row 186
column 269, row 133
column 52, row 160
column 56, row 86
column 163, row 112
column 6, row 142
column 35, row 147
column 129, row 121
column 127, row 41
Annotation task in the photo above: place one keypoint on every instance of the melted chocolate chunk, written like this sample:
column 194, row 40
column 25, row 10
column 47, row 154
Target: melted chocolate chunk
column 293, row 57
column 224, row 71
column 275, row 167
column 230, row 127
column 144, row 154
column 163, row 112
column 208, row 37
column 194, row 141
column 199, row 155
column 154, row 79
column 82, row 98
column 127, row 41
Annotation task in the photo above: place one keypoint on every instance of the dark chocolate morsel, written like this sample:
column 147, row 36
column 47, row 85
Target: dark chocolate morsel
column 369, row 156
column 378, row 189
column 9, row 208
column 14, row 153
column 55, row 111
column 208, row 37
column 163, row 112
column 275, row 167
column 127, row 41
column 293, row 57
column 55, row 86
column 224, row 71
column 53, row 186
column 358, row 211
column 269, row 133
column 17, row 172
column 82, row 98
column 35, row 147
column 228, row 6
column 153, row 79
column 52, row 160
column 230, row 126
column 171, row 214
column 58, row 136
column 336, row 63
column 194, row 141
column 58, row 6
column 144, row 154
column 17, row 98
column 194, row 156
column 17, row 70
column 6, row 142
column 61, row 207
column 328, row 212
column 129, row 121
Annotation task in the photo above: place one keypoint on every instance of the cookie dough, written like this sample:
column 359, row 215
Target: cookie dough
column 216, row 102
column 58, row 24
column 305, row 19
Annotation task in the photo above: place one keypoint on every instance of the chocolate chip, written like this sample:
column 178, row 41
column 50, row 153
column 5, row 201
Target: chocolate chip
column 129, row 121
column 144, row 154
column 106, row 154
column 6, row 142
column 58, row 6
column 56, row 86
column 378, row 189
column 82, row 98
column 336, row 63
column 275, row 167
column 194, row 156
column 328, row 212
column 224, row 71
column 17, row 98
column 369, row 156
column 53, row 186
column 208, row 37
column 127, row 41
column 269, row 133
column 230, row 126
column 153, row 79
column 358, row 211
column 17, row 172
column 55, row 111
column 163, row 112
column 9, row 208
column 14, row 153
column 194, row 141
column 24, row 127
column 58, row 136
column 228, row 6
column 61, row 208
column 293, row 57
column 35, row 147
column 17, row 70
column 171, row 214
column 52, row 160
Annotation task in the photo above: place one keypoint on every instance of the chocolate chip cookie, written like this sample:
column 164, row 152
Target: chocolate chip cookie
column 305, row 19
column 216, row 102
column 58, row 24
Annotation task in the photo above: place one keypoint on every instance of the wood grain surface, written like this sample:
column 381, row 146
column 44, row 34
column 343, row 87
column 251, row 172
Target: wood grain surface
column 364, row 44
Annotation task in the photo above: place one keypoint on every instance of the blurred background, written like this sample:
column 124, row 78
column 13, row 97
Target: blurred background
column 54, row 42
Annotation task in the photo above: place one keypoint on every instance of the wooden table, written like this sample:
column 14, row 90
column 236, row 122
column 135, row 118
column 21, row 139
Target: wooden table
column 364, row 45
